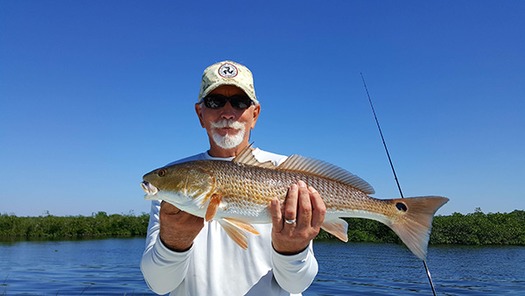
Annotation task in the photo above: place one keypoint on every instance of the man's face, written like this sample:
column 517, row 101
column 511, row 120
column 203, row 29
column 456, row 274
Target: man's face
column 227, row 126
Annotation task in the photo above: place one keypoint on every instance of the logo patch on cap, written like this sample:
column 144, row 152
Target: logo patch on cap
column 228, row 70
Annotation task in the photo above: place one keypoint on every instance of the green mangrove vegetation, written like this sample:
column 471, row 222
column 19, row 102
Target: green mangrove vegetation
column 98, row 225
column 475, row 228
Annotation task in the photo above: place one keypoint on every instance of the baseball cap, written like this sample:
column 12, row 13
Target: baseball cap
column 227, row 73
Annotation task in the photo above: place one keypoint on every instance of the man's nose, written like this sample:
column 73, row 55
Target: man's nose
column 228, row 112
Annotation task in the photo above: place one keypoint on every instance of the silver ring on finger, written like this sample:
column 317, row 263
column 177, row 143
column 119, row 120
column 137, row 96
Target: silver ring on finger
column 290, row 221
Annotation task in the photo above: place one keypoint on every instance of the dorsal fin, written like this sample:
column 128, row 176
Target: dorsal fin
column 298, row 163
column 246, row 157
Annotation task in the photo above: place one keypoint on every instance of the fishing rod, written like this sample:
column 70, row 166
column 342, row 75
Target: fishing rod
column 394, row 171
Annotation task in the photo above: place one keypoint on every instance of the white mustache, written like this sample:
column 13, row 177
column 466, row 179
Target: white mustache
column 228, row 141
column 227, row 123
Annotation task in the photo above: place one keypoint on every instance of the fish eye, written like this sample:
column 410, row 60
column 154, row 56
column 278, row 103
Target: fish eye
column 161, row 173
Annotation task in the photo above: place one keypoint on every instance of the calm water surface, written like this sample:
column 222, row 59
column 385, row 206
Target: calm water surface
column 111, row 267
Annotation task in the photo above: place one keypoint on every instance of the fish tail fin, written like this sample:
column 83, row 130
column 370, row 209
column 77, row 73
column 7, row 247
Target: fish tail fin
column 413, row 221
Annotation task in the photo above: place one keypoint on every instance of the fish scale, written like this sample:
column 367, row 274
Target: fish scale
column 262, row 185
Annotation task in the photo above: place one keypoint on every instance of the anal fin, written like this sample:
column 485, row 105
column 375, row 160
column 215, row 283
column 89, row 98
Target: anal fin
column 337, row 228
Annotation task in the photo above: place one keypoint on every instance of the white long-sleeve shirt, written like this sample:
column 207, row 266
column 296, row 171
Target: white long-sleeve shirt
column 216, row 265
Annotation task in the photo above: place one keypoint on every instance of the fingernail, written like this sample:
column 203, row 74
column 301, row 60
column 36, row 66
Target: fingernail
column 301, row 183
column 293, row 187
column 312, row 190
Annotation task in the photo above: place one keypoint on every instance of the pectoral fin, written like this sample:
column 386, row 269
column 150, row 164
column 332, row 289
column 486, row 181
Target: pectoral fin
column 337, row 228
column 213, row 206
column 237, row 230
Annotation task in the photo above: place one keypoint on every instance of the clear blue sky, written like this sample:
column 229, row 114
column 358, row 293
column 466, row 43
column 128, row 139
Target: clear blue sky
column 96, row 93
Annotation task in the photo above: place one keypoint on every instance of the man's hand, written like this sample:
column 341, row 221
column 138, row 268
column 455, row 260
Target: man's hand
column 298, row 220
column 178, row 229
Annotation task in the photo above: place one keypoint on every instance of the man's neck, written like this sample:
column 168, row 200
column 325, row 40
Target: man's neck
column 216, row 151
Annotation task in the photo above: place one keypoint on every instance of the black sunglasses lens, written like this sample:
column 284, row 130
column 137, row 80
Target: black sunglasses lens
column 240, row 102
column 218, row 101
column 215, row 102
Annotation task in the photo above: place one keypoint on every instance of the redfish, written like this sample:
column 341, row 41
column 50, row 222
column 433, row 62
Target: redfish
column 237, row 194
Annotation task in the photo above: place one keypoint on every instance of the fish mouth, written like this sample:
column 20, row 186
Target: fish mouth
column 149, row 188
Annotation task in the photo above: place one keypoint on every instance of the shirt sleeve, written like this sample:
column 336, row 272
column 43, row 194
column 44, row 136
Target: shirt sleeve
column 295, row 273
column 163, row 269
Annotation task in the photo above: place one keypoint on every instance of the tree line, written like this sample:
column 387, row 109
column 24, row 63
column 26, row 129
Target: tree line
column 98, row 225
column 475, row 228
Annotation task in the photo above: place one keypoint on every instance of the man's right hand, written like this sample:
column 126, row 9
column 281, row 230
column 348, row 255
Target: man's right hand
column 178, row 229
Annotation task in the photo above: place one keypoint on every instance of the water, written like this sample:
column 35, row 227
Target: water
column 111, row 267
column 93, row 267
column 386, row 269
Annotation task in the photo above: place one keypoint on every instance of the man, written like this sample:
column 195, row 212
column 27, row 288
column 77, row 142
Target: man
column 186, row 256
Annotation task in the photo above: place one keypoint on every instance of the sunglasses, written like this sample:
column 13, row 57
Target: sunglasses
column 216, row 101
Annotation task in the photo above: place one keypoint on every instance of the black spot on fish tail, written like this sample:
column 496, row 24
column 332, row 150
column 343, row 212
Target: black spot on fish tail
column 401, row 206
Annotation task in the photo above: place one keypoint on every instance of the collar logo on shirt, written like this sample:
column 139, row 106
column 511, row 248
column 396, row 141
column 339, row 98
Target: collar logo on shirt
column 228, row 70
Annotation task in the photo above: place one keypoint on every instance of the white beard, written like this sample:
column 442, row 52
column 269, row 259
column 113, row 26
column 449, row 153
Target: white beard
column 228, row 141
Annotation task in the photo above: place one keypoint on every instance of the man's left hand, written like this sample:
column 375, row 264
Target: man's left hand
column 298, row 220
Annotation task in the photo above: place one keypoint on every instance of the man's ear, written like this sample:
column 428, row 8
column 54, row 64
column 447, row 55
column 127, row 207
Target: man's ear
column 256, row 112
column 198, row 110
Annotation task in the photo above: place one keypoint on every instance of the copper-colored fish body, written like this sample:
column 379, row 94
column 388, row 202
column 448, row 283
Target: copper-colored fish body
column 237, row 194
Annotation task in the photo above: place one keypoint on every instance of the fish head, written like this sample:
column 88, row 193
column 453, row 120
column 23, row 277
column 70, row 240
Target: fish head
column 184, row 185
